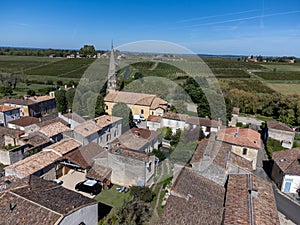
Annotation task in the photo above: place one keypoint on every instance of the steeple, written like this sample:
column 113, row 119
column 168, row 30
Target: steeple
column 112, row 78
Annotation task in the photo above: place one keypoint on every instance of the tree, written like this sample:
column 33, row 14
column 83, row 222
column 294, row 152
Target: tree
column 31, row 92
column 87, row 50
column 99, row 108
column 123, row 111
column 70, row 97
column 61, row 101
column 6, row 90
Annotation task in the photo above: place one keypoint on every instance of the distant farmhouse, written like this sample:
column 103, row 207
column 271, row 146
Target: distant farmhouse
column 33, row 106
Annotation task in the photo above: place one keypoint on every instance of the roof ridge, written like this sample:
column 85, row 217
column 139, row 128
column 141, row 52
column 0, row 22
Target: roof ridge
column 26, row 199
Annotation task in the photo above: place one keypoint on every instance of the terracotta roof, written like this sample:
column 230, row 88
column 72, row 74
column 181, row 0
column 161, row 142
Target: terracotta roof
column 53, row 129
column 153, row 118
column 194, row 200
column 129, row 98
column 217, row 151
column 6, row 108
column 240, row 136
column 25, row 121
column 32, row 164
column 5, row 131
column 130, row 153
column 175, row 116
column 51, row 121
column 18, row 101
column 63, row 147
column 37, row 201
column 136, row 138
column 278, row 126
column 288, row 160
column 87, row 128
column 84, row 156
column 159, row 103
column 240, row 162
column 41, row 98
column 25, row 212
column 99, row 173
column 209, row 123
column 106, row 120
column 250, row 198
column 36, row 139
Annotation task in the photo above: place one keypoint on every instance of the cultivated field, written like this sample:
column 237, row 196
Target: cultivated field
column 285, row 89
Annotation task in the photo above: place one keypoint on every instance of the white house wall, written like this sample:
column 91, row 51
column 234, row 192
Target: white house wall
column 87, row 215
column 295, row 183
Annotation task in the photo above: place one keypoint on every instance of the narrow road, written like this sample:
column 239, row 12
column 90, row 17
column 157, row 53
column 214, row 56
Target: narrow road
column 287, row 207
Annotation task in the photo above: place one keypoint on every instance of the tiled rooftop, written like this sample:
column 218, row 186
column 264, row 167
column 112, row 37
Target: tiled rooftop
column 279, row 126
column 288, row 160
column 53, row 129
column 249, row 198
column 37, row 201
column 153, row 118
column 240, row 136
column 83, row 156
column 33, row 163
column 99, row 172
column 159, row 103
column 63, row 147
column 5, row 131
column 130, row 98
column 6, row 108
column 106, row 120
column 130, row 153
column 194, row 200
column 41, row 98
column 87, row 128
column 25, row 121
column 136, row 138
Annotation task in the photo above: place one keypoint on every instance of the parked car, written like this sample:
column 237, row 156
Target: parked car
column 57, row 181
column 89, row 186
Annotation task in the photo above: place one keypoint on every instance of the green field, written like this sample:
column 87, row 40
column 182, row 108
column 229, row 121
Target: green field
column 287, row 75
column 64, row 67
column 17, row 64
column 282, row 67
column 285, row 89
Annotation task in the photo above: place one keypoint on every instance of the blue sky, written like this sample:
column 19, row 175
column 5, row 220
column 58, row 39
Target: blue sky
column 212, row 27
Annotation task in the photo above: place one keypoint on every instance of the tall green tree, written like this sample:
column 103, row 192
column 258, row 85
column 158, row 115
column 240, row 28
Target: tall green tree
column 61, row 101
column 87, row 50
column 123, row 111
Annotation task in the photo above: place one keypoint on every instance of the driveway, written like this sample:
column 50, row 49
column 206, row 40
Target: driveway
column 71, row 179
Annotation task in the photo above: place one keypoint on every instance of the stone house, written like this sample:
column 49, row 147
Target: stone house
column 54, row 131
column 286, row 170
column 214, row 160
column 245, row 142
column 138, row 139
column 32, row 200
column 139, row 103
column 126, row 167
column 101, row 130
column 26, row 123
column 281, row 132
column 80, row 159
column 33, row 106
column 42, row 164
column 8, row 113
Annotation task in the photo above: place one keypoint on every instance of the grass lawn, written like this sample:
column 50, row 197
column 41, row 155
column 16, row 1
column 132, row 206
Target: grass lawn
column 112, row 197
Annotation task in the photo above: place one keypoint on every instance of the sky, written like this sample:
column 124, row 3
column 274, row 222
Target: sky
column 257, row 27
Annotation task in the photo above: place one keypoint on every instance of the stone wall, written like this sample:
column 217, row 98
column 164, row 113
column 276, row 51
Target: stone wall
column 285, row 137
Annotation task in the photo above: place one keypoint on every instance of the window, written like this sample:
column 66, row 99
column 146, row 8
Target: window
column 142, row 111
column 106, row 107
column 245, row 151
column 152, row 113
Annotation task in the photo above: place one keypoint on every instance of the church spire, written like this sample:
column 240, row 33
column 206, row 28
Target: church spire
column 112, row 78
